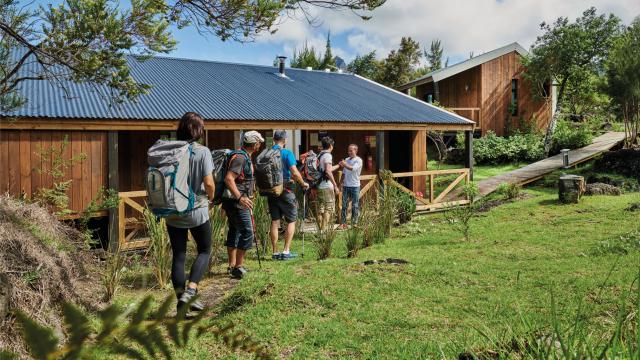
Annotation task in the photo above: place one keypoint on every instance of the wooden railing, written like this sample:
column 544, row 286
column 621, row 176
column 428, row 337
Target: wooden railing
column 433, row 202
column 130, row 221
column 471, row 113
column 132, row 230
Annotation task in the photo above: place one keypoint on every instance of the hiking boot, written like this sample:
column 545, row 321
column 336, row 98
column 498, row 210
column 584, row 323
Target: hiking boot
column 276, row 256
column 238, row 273
column 290, row 255
column 229, row 269
column 186, row 296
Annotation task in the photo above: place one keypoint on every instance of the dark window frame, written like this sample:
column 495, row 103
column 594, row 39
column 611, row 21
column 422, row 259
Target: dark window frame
column 514, row 97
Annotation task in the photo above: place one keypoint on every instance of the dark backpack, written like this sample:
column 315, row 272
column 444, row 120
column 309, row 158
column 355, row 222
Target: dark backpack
column 269, row 175
column 221, row 159
column 310, row 168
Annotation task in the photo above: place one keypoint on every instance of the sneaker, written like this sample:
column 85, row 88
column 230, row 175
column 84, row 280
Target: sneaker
column 276, row 256
column 290, row 255
column 229, row 269
column 186, row 296
column 238, row 273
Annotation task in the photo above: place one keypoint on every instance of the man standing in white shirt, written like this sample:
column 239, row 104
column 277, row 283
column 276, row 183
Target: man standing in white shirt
column 352, row 167
column 327, row 188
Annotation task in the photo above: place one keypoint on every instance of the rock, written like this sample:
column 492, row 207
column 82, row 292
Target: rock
column 570, row 188
column 602, row 189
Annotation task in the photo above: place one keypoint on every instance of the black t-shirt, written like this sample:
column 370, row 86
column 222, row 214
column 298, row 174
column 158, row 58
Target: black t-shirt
column 245, row 180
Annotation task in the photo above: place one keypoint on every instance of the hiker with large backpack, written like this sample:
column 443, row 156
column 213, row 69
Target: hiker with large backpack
column 237, row 202
column 179, row 186
column 276, row 175
column 327, row 188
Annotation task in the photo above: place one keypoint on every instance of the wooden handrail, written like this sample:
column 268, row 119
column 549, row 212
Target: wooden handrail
column 133, row 194
column 430, row 172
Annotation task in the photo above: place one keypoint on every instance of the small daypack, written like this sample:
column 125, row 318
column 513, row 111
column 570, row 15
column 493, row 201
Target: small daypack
column 167, row 178
column 269, row 175
column 310, row 168
column 221, row 159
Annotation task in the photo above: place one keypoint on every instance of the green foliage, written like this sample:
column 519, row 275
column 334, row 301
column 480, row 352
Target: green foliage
column 509, row 190
column 406, row 205
column 307, row 57
column 328, row 60
column 399, row 65
column 262, row 220
column 353, row 237
column 88, row 41
column 104, row 199
column 218, row 220
column 138, row 333
column 459, row 217
column 113, row 273
column 434, row 55
column 493, row 149
column 160, row 247
column 621, row 245
column 365, row 65
column 56, row 196
column 371, row 229
column 325, row 236
column 570, row 136
column 623, row 81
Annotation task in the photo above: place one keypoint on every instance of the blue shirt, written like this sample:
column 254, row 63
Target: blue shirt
column 288, row 160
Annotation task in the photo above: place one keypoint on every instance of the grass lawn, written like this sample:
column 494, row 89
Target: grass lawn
column 480, row 172
column 451, row 292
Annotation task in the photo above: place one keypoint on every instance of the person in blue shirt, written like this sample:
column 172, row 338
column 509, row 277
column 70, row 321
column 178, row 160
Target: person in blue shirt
column 285, row 206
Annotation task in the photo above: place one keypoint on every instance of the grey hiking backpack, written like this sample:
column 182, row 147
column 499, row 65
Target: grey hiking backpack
column 269, row 175
column 167, row 178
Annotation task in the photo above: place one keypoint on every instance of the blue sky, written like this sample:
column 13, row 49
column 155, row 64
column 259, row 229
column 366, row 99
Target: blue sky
column 463, row 26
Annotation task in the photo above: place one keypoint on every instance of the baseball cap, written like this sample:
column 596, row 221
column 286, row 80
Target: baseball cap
column 252, row 137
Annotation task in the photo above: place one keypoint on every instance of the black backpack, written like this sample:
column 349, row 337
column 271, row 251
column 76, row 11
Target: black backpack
column 269, row 175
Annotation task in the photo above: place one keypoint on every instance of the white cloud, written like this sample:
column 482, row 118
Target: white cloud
column 462, row 25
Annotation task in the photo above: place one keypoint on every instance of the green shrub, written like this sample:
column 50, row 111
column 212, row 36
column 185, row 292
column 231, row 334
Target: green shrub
column 493, row 149
column 262, row 222
column 352, row 240
column 570, row 136
column 218, row 221
column 459, row 217
column 406, row 205
column 160, row 247
column 509, row 190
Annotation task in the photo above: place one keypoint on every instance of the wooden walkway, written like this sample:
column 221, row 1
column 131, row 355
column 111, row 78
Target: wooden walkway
column 537, row 170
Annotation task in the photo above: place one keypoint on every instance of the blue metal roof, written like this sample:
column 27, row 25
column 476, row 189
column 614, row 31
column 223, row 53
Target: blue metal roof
column 227, row 91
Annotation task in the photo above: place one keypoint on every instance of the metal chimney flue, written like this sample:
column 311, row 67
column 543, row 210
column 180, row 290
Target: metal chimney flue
column 281, row 61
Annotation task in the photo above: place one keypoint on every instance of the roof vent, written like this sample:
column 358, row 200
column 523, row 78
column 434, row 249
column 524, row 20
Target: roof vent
column 309, row 68
column 281, row 60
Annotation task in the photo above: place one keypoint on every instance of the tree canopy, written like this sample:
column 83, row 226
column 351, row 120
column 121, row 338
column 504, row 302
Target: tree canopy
column 400, row 64
column 307, row 57
column 87, row 41
column 434, row 55
column 623, row 80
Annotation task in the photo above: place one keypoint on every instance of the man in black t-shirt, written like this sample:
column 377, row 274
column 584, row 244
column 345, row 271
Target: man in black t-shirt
column 238, row 204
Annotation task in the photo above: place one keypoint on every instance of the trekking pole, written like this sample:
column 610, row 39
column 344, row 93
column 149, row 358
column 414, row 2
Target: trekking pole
column 255, row 237
column 304, row 215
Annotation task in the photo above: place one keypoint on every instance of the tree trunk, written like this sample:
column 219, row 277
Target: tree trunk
column 554, row 119
column 570, row 189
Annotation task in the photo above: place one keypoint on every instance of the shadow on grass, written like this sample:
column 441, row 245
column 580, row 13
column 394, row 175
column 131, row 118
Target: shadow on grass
column 546, row 202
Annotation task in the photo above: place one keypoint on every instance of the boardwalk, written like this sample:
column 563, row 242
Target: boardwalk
column 537, row 170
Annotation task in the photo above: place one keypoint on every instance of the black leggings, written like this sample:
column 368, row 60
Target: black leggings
column 178, row 237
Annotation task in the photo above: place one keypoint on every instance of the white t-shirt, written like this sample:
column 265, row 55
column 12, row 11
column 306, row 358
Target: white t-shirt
column 325, row 161
column 351, row 178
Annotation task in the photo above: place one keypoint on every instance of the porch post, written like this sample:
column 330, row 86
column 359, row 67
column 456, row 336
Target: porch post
column 419, row 160
column 113, row 182
column 468, row 146
column 380, row 165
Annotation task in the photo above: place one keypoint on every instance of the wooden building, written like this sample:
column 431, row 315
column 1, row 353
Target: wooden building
column 489, row 89
column 390, row 127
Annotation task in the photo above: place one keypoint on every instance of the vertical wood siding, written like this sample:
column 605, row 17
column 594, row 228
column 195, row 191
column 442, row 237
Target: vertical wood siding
column 23, row 171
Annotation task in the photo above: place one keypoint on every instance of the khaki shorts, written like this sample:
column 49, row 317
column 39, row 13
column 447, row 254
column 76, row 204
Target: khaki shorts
column 326, row 201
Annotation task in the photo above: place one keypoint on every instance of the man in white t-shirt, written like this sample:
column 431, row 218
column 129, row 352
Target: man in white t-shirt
column 327, row 189
column 351, row 167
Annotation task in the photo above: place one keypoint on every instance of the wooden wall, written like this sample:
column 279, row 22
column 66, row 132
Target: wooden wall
column 488, row 87
column 19, row 163
column 496, row 95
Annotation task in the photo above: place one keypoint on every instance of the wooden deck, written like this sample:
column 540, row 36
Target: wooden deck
column 537, row 170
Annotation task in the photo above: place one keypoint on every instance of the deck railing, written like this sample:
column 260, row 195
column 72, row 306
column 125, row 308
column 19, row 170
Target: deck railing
column 132, row 229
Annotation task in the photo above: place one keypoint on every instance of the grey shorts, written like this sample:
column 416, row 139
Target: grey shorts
column 284, row 206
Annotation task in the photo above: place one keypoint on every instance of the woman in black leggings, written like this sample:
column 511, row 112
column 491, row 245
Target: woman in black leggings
column 191, row 129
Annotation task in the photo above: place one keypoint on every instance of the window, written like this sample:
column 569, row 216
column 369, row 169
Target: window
column 514, row 97
column 428, row 98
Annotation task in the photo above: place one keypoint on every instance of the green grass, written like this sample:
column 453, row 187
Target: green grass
column 480, row 172
column 451, row 293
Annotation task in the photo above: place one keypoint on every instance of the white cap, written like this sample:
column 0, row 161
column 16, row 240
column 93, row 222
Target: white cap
column 252, row 137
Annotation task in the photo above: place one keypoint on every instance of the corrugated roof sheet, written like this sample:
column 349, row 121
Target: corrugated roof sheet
column 449, row 71
column 227, row 91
